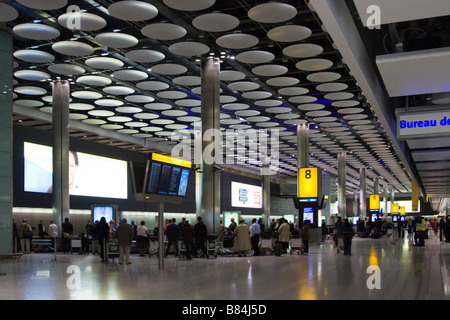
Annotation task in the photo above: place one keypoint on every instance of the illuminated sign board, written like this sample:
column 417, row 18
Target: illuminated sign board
column 374, row 203
column 395, row 208
column 309, row 184
column 427, row 124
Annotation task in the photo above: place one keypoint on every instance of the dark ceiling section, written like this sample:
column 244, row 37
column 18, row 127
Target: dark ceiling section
column 147, row 97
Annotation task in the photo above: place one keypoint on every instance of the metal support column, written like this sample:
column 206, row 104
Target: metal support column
column 375, row 185
column 211, row 146
column 362, row 193
column 266, row 198
column 385, row 196
column 303, row 145
column 342, row 205
column 60, row 117
column 161, row 235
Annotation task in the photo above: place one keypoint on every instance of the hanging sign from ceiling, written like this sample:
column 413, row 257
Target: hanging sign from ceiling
column 419, row 125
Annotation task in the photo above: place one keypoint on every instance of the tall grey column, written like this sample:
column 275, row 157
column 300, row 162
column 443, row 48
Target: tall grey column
column 210, row 183
column 392, row 197
column 61, row 199
column 362, row 193
column 375, row 185
column 342, row 205
column 303, row 145
column 385, row 196
column 355, row 204
column 6, row 144
column 266, row 198
column 161, row 235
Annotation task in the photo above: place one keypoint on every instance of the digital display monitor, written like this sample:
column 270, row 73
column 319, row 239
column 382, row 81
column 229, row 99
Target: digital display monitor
column 89, row 175
column 394, row 218
column 402, row 218
column 374, row 216
column 308, row 214
column 246, row 195
column 102, row 211
column 167, row 179
column 355, row 220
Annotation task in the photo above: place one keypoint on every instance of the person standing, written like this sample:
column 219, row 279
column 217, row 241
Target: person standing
column 103, row 234
column 53, row 233
column 242, row 233
column 201, row 233
column 67, row 230
column 188, row 237
column 173, row 236
column 25, row 234
column 305, row 236
column 421, row 230
column 283, row 234
column 337, row 228
column 347, row 235
column 124, row 235
column 142, row 238
column 41, row 229
column 255, row 232
column 447, row 229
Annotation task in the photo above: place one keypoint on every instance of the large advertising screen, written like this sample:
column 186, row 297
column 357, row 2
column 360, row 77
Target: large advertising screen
column 89, row 175
column 246, row 195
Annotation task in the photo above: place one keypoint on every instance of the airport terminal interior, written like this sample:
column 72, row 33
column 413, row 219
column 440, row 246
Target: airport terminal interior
column 293, row 113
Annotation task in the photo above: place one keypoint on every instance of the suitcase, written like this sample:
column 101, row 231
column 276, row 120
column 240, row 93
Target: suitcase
column 277, row 250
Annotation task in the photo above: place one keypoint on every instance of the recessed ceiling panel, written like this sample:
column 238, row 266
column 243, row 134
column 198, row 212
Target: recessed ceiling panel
column 36, row 31
column 237, row 41
column 116, row 40
column 87, row 21
column 169, row 69
column 66, row 69
column 189, row 48
column 72, row 48
column 303, row 50
column 255, row 57
column 43, row 4
column 7, row 13
column 289, row 33
column 189, row 5
column 34, row 56
column 145, row 56
column 415, row 72
column 104, row 63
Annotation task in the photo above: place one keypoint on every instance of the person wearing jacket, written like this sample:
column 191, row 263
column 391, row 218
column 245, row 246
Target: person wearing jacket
column 305, row 236
column 188, row 235
column 25, row 239
column 242, row 232
column 346, row 231
column 103, row 233
column 283, row 234
column 201, row 233
column 124, row 234
column 173, row 235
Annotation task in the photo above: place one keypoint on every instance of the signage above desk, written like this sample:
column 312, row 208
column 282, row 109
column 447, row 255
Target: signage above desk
column 432, row 123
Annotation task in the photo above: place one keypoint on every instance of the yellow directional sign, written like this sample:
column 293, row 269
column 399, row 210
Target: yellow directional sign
column 402, row 210
column 309, row 183
column 374, row 203
column 395, row 208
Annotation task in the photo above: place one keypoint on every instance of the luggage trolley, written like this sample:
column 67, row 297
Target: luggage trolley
column 76, row 243
column 211, row 248
column 296, row 245
column 112, row 249
column 266, row 243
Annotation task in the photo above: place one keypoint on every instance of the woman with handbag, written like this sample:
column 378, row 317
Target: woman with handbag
column 25, row 234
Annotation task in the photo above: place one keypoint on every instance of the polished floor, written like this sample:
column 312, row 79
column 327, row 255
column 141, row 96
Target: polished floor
column 401, row 272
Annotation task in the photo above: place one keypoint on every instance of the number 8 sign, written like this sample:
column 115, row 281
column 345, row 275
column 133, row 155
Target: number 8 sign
column 309, row 183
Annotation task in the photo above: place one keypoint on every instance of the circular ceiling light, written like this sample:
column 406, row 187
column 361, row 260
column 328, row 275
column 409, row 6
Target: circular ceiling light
column 293, row 91
column 302, row 99
column 272, row 12
column 169, row 69
column 108, row 102
column 104, row 63
column 164, row 31
column 345, row 103
column 303, row 50
column 270, row 70
column 7, row 13
column 289, row 33
column 158, row 106
column 81, row 106
column 94, row 80
column 66, row 69
column 331, row 87
column 255, row 57
column 43, row 4
column 145, row 56
column 30, row 90
column 31, row 75
column 139, row 99
column 237, row 41
column 256, row 95
column 87, row 21
column 339, row 96
column 231, row 75
column 118, row 90
column 268, row 103
column 235, row 106
column 132, row 10
column 282, row 81
column 314, row 65
column 29, row 103
column 34, row 56
column 187, row 81
column 215, row 22
column 323, row 76
column 243, row 86
column 310, row 106
column 130, row 75
column 72, row 48
column 88, row 95
column 152, row 85
column 36, row 31
column 189, row 48
column 189, row 5
column 116, row 40
column 188, row 103
column 172, row 95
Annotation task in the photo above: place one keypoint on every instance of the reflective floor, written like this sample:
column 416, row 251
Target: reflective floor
column 377, row 269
